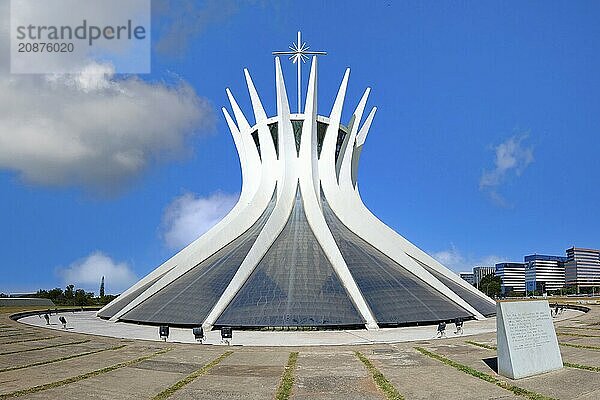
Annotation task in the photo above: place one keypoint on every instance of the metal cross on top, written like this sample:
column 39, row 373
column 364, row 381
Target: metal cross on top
column 299, row 52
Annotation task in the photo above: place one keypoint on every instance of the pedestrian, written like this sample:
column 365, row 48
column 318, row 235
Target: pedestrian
column 47, row 318
column 556, row 310
column 63, row 321
column 458, row 322
column 441, row 329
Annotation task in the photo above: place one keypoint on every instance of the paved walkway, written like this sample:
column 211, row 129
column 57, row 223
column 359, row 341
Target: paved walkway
column 39, row 363
column 87, row 322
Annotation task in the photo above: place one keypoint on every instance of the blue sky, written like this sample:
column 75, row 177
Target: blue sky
column 485, row 146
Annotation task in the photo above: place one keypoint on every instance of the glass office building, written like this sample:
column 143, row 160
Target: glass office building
column 512, row 275
column 544, row 273
column 582, row 267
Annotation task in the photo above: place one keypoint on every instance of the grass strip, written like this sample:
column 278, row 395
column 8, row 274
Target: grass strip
column 386, row 386
column 575, row 334
column 287, row 379
column 579, row 346
column 44, row 347
column 581, row 366
column 486, row 377
column 566, row 364
column 17, row 333
column 61, row 359
column 485, row 346
column 77, row 378
column 168, row 392
column 30, row 340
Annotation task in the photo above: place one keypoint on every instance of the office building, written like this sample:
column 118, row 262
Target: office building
column 512, row 275
column 582, row 267
column 467, row 276
column 480, row 272
column 544, row 273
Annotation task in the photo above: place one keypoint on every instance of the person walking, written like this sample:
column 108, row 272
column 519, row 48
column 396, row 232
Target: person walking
column 458, row 322
column 441, row 329
column 47, row 318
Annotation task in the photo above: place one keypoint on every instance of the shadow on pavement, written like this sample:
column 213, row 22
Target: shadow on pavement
column 492, row 362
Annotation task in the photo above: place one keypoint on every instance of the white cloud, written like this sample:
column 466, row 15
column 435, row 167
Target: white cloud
column 188, row 217
column 87, row 273
column 512, row 158
column 92, row 129
column 459, row 262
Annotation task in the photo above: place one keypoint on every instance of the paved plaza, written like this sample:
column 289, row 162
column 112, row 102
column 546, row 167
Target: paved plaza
column 41, row 363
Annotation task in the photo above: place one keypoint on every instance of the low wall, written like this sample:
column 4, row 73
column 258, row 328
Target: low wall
column 25, row 301
column 19, row 315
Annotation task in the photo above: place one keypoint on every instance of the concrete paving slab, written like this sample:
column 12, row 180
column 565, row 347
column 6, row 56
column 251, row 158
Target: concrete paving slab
column 221, row 388
column 329, row 372
column 247, row 375
column 43, row 374
column 124, row 383
column 419, row 377
column 567, row 383
column 333, row 375
column 30, row 357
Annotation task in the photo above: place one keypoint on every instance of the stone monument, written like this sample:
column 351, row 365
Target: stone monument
column 527, row 343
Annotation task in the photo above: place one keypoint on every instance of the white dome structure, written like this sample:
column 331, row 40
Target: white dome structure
column 299, row 249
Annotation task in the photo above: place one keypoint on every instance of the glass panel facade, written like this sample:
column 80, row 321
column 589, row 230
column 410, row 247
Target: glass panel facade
column 484, row 307
column 395, row 296
column 188, row 300
column 293, row 285
column 115, row 308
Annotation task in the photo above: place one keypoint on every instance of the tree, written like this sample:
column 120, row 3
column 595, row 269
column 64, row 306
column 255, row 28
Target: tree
column 102, row 287
column 69, row 293
column 81, row 298
column 491, row 285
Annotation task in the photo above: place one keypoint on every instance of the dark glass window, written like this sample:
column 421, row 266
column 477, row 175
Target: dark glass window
column 256, row 142
column 274, row 135
column 297, row 125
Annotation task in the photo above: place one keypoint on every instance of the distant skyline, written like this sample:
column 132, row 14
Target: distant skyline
column 484, row 147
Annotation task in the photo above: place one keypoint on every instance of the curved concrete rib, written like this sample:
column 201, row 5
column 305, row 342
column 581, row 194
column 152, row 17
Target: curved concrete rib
column 358, row 218
column 285, row 170
column 312, row 208
column 287, row 185
column 408, row 247
column 249, row 188
column 244, row 214
column 360, row 140
column 345, row 159
column 327, row 167
column 343, row 200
